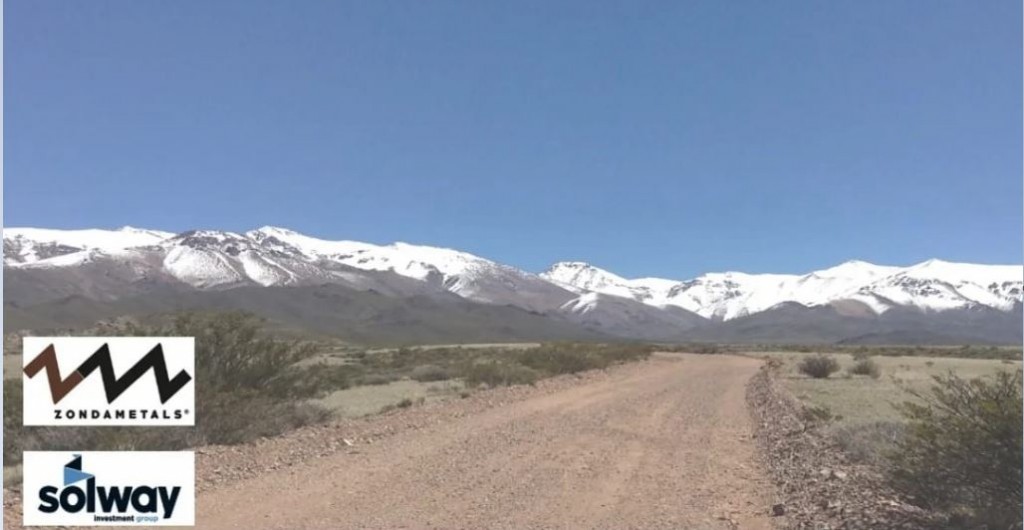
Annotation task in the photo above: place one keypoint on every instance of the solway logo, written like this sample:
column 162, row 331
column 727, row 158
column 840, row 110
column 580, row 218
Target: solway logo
column 69, row 396
column 109, row 488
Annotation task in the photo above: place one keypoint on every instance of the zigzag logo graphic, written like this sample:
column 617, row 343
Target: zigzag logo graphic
column 112, row 385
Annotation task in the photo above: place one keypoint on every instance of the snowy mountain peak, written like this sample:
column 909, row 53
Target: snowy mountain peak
column 581, row 275
column 273, row 230
column 855, row 269
column 32, row 245
column 580, row 268
column 210, row 236
column 584, row 277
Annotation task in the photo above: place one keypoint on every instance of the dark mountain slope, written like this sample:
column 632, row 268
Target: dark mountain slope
column 334, row 310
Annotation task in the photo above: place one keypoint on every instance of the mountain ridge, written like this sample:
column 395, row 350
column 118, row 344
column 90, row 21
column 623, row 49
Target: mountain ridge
column 47, row 264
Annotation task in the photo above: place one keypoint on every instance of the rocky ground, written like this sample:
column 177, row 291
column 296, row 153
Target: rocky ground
column 818, row 488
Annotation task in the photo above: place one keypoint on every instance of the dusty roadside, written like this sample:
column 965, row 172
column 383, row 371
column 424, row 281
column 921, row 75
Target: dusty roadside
column 817, row 486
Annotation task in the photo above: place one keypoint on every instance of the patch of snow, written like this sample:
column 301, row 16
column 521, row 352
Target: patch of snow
column 262, row 271
column 583, row 304
column 34, row 244
column 199, row 268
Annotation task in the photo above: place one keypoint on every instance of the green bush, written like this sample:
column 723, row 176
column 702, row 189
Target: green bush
column 818, row 366
column 232, row 354
column 964, row 448
column 866, row 367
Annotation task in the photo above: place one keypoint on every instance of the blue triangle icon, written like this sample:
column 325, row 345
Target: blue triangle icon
column 73, row 475
column 73, row 471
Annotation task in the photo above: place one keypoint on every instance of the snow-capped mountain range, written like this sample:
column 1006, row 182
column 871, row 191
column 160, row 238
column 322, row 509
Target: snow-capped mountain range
column 270, row 256
column 211, row 260
column 277, row 256
column 932, row 285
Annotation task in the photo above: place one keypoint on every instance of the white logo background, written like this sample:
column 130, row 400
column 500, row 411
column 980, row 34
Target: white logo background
column 89, row 395
column 111, row 468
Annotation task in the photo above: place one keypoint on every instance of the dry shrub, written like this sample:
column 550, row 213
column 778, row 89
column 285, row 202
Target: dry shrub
column 429, row 372
column 866, row 367
column 818, row 366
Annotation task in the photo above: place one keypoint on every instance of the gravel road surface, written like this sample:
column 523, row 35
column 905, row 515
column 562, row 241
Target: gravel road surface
column 665, row 443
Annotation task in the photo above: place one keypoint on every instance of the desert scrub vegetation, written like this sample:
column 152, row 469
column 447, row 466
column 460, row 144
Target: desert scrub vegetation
column 429, row 372
column 247, row 387
column 491, row 366
column 967, row 351
column 819, row 414
column 866, row 366
column 963, row 449
column 498, row 373
column 818, row 366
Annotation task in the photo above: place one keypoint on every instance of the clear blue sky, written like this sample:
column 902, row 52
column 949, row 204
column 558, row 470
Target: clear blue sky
column 650, row 138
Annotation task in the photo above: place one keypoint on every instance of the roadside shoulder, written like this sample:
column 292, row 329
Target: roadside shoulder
column 817, row 485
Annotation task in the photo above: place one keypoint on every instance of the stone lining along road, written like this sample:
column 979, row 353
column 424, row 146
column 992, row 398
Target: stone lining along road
column 664, row 443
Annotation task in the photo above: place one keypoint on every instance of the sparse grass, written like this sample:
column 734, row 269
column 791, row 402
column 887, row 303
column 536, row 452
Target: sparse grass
column 819, row 414
column 491, row 365
column 375, row 380
column 363, row 400
column 497, row 373
column 863, row 399
column 962, row 352
column 429, row 372
column 870, row 442
column 864, row 413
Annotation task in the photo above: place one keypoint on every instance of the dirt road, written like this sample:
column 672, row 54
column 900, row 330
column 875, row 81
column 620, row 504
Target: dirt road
column 660, row 444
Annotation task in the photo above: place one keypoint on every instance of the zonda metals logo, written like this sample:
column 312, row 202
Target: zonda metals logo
column 107, row 398
column 114, row 387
